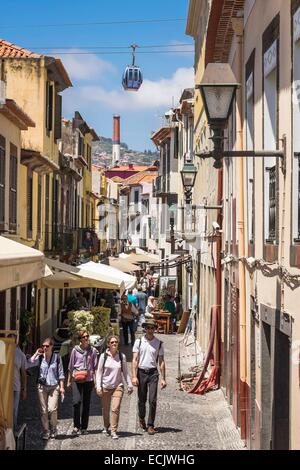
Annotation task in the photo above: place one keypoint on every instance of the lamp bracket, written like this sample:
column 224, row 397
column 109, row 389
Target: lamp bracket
column 251, row 154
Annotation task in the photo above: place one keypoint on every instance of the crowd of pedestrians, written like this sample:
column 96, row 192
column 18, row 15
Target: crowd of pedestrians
column 107, row 373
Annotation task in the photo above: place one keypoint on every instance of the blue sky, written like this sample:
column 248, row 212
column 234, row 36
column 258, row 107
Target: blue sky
column 97, row 92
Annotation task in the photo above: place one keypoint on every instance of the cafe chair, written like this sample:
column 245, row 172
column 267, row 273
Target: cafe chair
column 162, row 326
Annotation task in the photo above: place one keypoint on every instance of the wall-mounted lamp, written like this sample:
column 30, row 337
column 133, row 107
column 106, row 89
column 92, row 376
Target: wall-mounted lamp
column 188, row 176
column 218, row 89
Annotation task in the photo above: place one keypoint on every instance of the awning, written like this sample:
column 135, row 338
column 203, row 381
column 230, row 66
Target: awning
column 111, row 273
column 134, row 258
column 66, row 276
column 122, row 264
column 20, row 264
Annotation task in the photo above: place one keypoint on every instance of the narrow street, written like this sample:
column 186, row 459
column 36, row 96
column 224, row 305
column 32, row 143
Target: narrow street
column 183, row 421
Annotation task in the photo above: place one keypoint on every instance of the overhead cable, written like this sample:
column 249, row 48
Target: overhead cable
column 96, row 23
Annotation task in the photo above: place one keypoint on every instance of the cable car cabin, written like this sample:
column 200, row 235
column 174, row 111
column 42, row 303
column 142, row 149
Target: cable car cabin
column 132, row 78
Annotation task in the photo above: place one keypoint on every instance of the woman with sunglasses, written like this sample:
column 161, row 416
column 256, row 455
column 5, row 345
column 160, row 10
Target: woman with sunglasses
column 50, row 384
column 111, row 374
column 82, row 370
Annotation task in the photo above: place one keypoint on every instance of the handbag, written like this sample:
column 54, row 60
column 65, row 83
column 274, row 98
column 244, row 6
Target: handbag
column 80, row 375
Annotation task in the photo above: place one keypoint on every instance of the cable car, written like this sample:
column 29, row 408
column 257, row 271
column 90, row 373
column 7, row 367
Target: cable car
column 132, row 77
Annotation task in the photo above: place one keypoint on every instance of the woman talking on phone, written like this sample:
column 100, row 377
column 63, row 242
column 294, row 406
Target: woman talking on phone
column 50, row 384
column 82, row 371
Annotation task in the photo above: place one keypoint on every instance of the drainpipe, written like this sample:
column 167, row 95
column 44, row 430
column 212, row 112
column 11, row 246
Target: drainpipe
column 219, row 278
column 238, row 27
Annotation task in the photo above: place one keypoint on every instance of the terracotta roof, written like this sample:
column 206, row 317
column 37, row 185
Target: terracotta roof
column 7, row 49
column 117, row 179
column 128, row 168
column 143, row 176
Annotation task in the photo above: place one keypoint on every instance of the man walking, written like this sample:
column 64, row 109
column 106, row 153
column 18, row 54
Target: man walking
column 142, row 300
column 148, row 352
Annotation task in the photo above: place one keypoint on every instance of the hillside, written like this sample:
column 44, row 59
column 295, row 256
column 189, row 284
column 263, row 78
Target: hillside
column 102, row 154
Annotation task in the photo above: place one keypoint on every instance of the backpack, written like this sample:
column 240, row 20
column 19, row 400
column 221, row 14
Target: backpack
column 57, row 367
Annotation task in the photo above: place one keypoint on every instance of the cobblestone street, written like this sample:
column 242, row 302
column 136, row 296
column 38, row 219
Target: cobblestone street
column 183, row 422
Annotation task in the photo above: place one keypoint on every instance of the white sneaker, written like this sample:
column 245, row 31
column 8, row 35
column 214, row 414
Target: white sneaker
column 75, row 432
column 105, row 432
column 114, row 435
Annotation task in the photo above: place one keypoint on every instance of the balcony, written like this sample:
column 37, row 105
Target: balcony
column 160, row 186
column 64, row 241
column 134, row 209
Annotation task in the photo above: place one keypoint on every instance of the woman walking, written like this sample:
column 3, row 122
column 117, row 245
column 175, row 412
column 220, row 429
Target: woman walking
column 111, row 374
column 127, row 320
column 82, row 370
column 50, row 384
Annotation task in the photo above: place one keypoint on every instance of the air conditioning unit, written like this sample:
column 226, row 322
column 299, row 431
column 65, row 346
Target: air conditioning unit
column 2, row 93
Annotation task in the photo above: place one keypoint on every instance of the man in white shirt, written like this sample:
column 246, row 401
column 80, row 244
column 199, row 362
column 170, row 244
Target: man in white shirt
column 20, row 381
column 148, row 351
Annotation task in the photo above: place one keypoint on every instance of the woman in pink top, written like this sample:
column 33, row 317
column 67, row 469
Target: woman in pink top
column 111, row 374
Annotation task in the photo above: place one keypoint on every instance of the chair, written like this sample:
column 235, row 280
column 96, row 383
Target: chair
column 162, row 326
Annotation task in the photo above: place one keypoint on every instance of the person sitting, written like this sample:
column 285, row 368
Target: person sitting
column 151, row 306
column 82, row 300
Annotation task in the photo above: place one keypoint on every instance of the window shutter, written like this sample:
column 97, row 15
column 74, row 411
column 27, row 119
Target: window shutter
column 29, row 206
column 13, row 178
column 58, row 106
column 47, row 204
column 49, row 106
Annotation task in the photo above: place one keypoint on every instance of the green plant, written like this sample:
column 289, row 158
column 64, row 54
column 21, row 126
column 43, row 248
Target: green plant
column 80, row 320
column 26, row 323
column 101, row 323
column 161, row 299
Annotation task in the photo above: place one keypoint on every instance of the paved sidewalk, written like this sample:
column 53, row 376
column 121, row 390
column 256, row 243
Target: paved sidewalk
column 184, row 422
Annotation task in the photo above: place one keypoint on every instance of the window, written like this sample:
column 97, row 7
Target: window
column 29, row 206
column 2, row 182
column 49, row 106
column 47, row 205
column 296, row 123
column 39, row 207
column 80, row 146
column 13, row 184
column 45, row 302
column 55, row 198
column 57, row 122
column 136, row 197
column 270, row 127
column 250, row 143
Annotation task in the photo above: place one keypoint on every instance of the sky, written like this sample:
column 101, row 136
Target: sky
column 97, row 92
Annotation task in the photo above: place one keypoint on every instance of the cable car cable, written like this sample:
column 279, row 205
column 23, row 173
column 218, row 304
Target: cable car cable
column 100, row 23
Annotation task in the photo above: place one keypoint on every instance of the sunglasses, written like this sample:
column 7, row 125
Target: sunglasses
column 114, row 342
column 46, row 345
column 85, row 337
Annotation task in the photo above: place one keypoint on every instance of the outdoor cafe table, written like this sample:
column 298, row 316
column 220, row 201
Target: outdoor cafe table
column 163, row 315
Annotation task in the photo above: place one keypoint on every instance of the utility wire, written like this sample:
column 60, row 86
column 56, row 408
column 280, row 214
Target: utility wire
column 98, row 23
column 110, row 47
column 121, row 52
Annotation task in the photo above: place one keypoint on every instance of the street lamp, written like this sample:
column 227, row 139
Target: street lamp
column 218, row 89
column 188, row 176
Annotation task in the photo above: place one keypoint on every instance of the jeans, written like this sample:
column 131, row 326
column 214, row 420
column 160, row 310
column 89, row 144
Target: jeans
column 147, row 381
column 125, row 326
column 81, row 396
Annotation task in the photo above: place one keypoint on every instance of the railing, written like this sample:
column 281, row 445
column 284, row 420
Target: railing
column 67, row 240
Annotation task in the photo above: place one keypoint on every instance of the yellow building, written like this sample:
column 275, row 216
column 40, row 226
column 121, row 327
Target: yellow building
column 36, row 81
column 13, row 120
